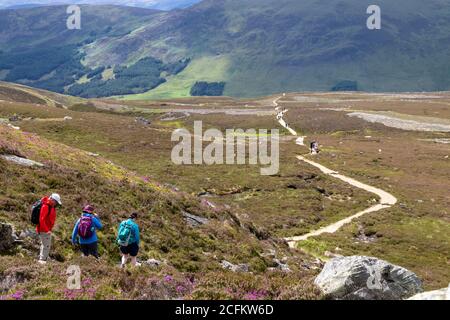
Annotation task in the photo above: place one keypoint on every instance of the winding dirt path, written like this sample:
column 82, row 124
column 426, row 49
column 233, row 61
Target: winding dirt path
column 387, row 200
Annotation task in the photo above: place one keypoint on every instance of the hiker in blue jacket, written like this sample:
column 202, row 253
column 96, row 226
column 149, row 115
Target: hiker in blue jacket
column 85, row 232
column 128, row 239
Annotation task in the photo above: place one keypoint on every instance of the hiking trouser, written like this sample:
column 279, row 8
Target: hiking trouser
column 90, row 249
column 46, row 244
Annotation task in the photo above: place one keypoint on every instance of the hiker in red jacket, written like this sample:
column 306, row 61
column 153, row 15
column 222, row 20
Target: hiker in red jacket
column 47, row 220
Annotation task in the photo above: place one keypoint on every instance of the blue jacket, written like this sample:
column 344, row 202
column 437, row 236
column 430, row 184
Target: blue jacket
column 97, row 226
column 135, row 237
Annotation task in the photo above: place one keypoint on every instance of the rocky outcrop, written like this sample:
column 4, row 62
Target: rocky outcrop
column 366, row 278
column 235, row 267
column 142, row 120
column 8, row 238
column 443, row 294
column 11, row 279
column 193, row 220
column 21, row 161
column 153, row 263
column 7, row 282
column 28, row 234
column 280, row 265
column 92, row 154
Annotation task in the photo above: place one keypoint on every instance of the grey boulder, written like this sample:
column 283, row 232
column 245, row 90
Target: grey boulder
column 153, row 263
column 235, row 267
column 193, row 220
column 8, row 238
column 21, row 161
column 366, row 278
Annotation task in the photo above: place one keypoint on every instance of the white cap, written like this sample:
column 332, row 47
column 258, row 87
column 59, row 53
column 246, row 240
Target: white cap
column 57, row 198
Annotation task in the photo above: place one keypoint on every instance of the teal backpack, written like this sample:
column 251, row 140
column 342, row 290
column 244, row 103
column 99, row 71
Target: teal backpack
column 125, row 231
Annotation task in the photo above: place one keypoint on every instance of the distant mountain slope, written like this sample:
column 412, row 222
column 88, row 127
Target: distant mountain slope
column 18, row 93
column 37, row 48
column 293, row 45
column 31, row 28
column 268, row 46
column 150, row 4
column 20, row 6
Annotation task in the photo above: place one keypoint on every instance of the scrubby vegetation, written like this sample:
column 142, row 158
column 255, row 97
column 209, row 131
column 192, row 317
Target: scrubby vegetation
column 191, row 254
column 207, row 89
column 28, row 64
column 414, row 232
column 250, row 212
column 50, row 68
column 62, row 68
column 346, row 85
column 101, row 281
column 144, row 75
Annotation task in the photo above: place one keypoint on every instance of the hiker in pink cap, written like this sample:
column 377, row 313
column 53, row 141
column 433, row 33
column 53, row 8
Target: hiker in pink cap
column 85, row 232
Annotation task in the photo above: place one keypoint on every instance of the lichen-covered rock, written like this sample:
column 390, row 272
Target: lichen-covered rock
column 7, row 237
column 10, row 279
column 193, row 220
column 21, row 161
column 366, row 278
column 153, row 263
column 235, row 268
column 282, row 266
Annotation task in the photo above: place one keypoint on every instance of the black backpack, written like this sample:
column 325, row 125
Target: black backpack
column 36, row 212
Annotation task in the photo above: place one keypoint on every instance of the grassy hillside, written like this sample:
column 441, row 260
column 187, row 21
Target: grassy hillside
column 133, row 171
column 146, row 149
column 46, row 26
column 192, row 255
column 17, row 93
column 37, row 49
column 179, row 86
column 288, row 45
column 270, row 46
column 158, row 4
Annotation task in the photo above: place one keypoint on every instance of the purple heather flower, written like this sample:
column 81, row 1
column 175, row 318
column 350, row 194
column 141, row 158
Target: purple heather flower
column 86, row 282
column 168, row 278
column 256, row 295
column 18, row 295
column 180, row 289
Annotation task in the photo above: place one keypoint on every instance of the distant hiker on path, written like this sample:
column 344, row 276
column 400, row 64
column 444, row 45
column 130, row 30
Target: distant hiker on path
column 128, row 240
column 44, row 217
column 315, row 147
column 85, row 232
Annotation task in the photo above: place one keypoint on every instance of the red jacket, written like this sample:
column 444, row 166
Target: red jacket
column 47, row 217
